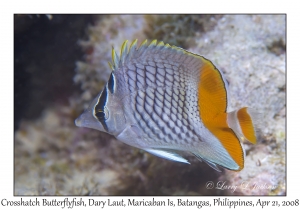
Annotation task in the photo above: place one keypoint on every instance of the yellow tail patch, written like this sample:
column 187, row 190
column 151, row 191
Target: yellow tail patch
column 246, row 125
column 212, row 102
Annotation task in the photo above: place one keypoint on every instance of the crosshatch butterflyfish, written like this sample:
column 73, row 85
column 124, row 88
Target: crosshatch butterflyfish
column 168, row 101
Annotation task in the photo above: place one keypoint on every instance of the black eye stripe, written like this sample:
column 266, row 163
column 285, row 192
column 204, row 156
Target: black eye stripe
column 102, row 101
column 100, row 111
column 111, row 83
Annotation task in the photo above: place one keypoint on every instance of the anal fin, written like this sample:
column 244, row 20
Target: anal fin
column 170, row 155
column 211, row 164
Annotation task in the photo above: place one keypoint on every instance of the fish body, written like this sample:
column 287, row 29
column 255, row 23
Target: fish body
column 167, row 101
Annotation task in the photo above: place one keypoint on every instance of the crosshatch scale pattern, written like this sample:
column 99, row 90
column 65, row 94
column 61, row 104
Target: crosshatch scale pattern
column 164, row 96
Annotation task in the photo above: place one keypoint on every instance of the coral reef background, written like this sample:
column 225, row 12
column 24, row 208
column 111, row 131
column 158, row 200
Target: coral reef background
column 61, row 64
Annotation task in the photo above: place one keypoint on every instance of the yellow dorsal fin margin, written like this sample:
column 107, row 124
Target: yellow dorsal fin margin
column 143, row 44
column 123, row 52
column 115, row 58
column 153, row 43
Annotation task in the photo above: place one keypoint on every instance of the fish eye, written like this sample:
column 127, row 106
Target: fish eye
column 102, row 114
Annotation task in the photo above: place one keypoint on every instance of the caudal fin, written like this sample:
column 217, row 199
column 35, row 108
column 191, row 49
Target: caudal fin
column 243, row 122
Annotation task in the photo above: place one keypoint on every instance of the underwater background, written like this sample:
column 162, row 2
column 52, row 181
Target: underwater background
column 61, row 64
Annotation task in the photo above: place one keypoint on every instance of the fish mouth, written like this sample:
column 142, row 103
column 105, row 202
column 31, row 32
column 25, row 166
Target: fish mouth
column 78, row 122
column 87, row 120
column 84, row 120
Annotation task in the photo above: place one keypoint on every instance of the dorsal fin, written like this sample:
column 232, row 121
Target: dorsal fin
column 161, row 44
column 115, row 59
column 153, row 43
column 153, row 50
column 124, row 51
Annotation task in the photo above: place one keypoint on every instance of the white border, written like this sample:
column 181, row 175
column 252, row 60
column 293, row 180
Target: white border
column 293, row 70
